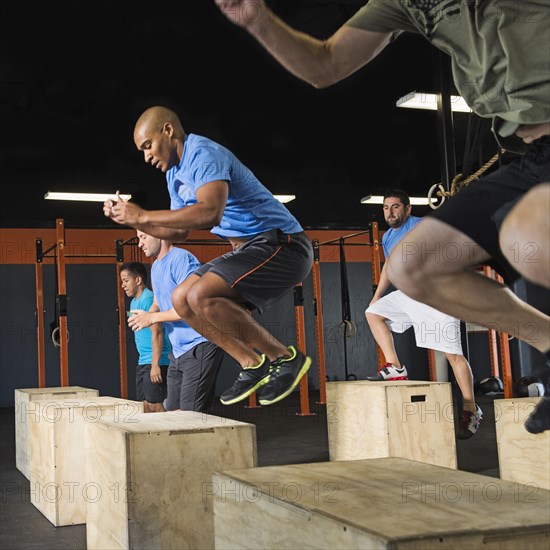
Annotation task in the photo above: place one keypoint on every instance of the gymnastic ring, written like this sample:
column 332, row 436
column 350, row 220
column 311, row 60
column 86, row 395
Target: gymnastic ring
column 351, row 377
column 56, row 339
column 433, row 188
column 347, row 328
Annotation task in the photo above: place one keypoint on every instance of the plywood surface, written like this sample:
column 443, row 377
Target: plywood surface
column 58, row 451
column 162, row 465
column 394, row 498
column 523, row 457
column 405, row 418
column 24, row 399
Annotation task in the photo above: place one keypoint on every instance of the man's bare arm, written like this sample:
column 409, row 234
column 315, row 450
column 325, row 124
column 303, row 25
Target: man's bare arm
column 383, row 285
column 173, row 225
column 318, row 62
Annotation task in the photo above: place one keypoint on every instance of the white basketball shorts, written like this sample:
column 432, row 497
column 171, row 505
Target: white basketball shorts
column 432, row 328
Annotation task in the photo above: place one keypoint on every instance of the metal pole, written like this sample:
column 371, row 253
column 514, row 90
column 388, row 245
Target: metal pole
column 507, row 380
column 40, row 316
column 445, row 122
column 62, row 303
column 301, row 343
column 121, row 335
column 376, row 271
column 319, row 330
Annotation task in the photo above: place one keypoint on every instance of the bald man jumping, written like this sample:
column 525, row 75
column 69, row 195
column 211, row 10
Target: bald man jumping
column 211, row 189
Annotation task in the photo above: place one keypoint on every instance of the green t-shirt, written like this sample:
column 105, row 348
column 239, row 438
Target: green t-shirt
column 500, row 52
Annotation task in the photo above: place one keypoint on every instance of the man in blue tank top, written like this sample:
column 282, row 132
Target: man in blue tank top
column 211, row 189
column 152, row 343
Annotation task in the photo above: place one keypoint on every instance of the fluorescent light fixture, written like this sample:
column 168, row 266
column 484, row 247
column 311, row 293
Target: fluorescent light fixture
column 421, row 100
column 102, row 197
column 285, row 198
column 89, row 197
column 379, row 199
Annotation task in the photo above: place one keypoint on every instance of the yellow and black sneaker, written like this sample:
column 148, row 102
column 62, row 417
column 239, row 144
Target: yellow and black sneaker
column 249, row 381
column 285, row 374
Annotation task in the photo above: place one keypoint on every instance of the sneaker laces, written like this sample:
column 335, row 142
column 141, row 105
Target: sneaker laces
column 275, row 367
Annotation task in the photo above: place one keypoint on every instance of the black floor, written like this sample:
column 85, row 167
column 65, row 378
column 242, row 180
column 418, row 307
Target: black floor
column 283, row 438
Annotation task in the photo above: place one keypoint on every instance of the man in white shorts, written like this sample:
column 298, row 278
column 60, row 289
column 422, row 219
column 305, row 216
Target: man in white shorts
column 433, row 329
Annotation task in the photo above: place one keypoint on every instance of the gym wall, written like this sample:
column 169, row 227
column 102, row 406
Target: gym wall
column 93, row 318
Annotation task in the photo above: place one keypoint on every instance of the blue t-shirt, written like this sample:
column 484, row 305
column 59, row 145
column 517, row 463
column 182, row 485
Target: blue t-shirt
column 392, row 236
column 250, row 209
column 166, row 274
column 143, row 337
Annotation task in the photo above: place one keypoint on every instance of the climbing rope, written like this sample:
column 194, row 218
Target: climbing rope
column 457, row 184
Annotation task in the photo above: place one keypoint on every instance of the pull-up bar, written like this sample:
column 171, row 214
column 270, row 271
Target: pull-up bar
column 337, row 241
column 317, row 300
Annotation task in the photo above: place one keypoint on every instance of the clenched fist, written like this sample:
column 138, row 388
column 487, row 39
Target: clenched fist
column 245, row 13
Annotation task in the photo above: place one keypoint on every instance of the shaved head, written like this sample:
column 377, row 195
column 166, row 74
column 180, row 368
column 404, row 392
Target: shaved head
column 156, row 117
column 159, row 135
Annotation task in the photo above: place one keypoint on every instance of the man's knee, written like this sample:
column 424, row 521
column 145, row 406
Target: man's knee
column 198, row 298
column 456, row 359
column 373, row 318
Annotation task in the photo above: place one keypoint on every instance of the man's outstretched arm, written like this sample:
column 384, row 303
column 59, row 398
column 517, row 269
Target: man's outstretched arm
column 318, row 62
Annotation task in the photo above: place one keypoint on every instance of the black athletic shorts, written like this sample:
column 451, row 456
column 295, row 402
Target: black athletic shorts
column 192, row 378
column 145, row 389
column 264, row 268
column 479, row 209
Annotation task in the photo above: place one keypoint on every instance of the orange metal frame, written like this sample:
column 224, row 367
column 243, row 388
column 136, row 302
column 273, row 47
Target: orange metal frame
column 301, row 342
column 318, row 311
column 61, row 297
column 432, row 365
column 122, row 336
column 252, row 399
column 376, row 272
column 40, row 323
column 61, row 289
column 505, row 356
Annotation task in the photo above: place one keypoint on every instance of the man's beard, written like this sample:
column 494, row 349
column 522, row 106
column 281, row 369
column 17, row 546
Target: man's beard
column 395, row 222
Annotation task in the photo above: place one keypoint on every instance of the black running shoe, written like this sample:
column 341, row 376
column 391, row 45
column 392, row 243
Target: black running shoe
column 248, row 382
column 285, row 374
column 539, row 420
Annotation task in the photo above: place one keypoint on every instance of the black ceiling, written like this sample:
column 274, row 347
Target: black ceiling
column 75, row 75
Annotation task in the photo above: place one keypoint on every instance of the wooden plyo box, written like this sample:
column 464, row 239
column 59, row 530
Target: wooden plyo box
column 156, row 478
column 405, row 418
column 24, row 406
column 58, row 449
column 522, row 456
column 389, row 503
